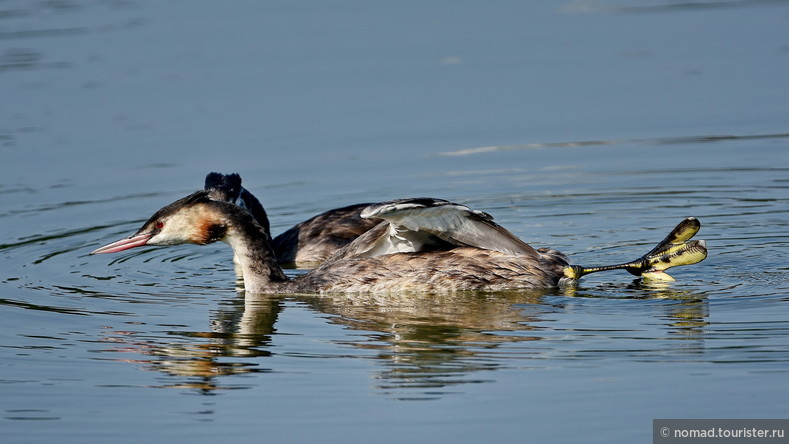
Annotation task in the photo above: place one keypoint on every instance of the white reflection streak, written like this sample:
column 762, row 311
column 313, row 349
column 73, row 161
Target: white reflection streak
column 487, row 149
column 647, row 141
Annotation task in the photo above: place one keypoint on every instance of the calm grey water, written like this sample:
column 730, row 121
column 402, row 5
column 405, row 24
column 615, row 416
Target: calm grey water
column 588, row 126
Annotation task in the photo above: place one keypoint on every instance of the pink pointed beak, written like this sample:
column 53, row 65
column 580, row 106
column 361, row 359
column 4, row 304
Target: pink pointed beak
column 136, row 240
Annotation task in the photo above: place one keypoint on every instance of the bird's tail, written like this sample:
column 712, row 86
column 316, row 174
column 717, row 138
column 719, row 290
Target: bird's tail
column 675, row 250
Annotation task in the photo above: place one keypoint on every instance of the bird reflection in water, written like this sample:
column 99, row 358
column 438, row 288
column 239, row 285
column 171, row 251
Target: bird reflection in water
column 198, row 360
column 425, row 345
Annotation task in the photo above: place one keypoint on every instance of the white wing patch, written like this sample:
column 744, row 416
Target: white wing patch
column 413, row 223
column 398, row 240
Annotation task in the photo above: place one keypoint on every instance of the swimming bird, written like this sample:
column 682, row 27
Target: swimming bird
column 426, row 245
column 306, row 244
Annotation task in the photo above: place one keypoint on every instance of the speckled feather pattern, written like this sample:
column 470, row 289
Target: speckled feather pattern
column 454, row 270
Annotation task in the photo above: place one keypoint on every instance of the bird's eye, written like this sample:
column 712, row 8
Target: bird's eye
column 159, row 224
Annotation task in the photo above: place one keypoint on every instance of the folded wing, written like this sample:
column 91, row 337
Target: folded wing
column 427, row 224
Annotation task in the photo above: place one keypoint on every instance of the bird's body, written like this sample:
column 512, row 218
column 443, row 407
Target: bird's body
column 422, row 245
column 462, row 268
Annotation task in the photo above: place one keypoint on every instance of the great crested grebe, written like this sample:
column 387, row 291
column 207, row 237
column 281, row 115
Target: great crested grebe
column 426, row 245
column 306, row 244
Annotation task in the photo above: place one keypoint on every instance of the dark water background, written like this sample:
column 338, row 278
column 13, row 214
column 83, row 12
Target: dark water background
column 589, row 126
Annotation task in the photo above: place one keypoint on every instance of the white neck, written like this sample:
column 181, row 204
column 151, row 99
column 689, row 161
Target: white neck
column 253, row 254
